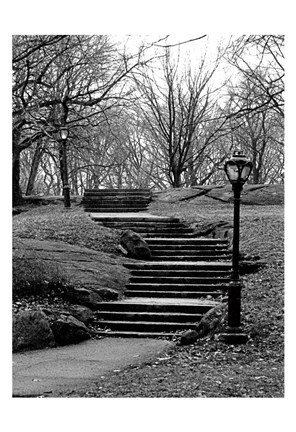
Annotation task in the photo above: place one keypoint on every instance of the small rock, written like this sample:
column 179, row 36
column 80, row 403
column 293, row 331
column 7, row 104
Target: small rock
column 107, row 293
column 69, row 330
column 135, row 245
column 84, row 297
column 212, row 321
column 82, row 313
column 189, row 337
column 31, row 330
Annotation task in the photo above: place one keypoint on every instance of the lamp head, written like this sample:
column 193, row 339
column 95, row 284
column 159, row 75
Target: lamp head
column 238, row 168
column 64, row 132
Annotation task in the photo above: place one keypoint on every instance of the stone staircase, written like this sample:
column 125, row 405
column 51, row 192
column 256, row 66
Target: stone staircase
column 116, row 200
column 170, row 293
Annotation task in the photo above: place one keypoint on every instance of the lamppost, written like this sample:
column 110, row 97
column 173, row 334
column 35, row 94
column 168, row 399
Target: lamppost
column 238, row 170
column 64, row 132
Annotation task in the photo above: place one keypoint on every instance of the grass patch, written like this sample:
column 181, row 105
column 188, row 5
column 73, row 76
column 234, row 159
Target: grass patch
column 53, row 222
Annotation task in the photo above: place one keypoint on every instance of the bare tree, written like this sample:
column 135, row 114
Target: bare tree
column 178, row 109
column 60, row 80
column 256, row 53
column 259, row 132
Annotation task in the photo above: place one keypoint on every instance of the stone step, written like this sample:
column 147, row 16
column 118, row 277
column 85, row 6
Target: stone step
column 146, row 326
column 171, row 234
column 150, row 265
column 148, row 316
column 114, row 198
column 135, row 219
column 112, row 209
column 156, row 305
column 181, row 241
column 181, row 273
column 187, row 248
column 177, row 280
column 174, row 294
column 192, row 252
column 203, row 257
column 135, row 334
column 176, row 287
column 161, row 230
column 144, row 226
column 116, row 192
column 117, row 202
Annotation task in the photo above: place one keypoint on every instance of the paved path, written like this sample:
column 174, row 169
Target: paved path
column 50, row 371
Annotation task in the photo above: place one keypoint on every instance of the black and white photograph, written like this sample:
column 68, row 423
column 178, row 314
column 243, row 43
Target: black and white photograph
column 148, row 219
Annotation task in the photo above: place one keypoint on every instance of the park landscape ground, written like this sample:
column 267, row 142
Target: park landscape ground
column 207, row 368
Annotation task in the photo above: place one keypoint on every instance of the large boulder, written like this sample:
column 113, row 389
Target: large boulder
column 69, row 330
column 135, row 245
column 31, row 330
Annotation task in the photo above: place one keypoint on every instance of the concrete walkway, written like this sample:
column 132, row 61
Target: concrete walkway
column 51, row 371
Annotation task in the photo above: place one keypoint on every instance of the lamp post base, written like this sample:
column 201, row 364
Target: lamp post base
column 234, row 336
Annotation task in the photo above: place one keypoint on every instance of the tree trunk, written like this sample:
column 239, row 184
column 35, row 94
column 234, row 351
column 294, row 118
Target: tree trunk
column 34, row 168
column 16, row 190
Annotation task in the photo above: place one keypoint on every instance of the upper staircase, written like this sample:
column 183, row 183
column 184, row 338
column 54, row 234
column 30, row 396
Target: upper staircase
column 116, row 200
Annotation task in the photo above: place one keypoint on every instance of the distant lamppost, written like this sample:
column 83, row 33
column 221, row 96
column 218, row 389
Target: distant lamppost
column 64, row 132
column 238, row 170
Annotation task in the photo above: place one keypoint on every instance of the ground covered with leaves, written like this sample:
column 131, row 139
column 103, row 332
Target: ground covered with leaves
column 208, row 368
column 74, row 226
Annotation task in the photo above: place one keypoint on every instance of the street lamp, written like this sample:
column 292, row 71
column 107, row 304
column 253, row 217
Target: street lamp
column 64, row 132
column 238, row 170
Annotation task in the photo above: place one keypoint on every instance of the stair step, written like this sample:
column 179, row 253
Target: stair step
column 193, row 252
column 176, row 287
column 135, row 334
column 150, row 265
column 115, row 202
column 175, row 294
column 146, row 325
column 153, row 305
column 131, row 219
column 178, row 280
column 144, row 224
column 149, row 316
column 170, row 234
column 187, row 248
column 146, row 229
column 192, row 257
column 116, row 191
column 180, row 241
column 112, row 209
column 114, row 198
column 181, row 273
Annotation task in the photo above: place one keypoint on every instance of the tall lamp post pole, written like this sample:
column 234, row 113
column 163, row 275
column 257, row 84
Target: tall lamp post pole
column 238, row 170
column 64, row 166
